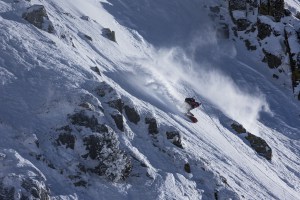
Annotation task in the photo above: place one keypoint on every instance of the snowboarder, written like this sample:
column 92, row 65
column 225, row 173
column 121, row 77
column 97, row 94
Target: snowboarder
column 192, row 104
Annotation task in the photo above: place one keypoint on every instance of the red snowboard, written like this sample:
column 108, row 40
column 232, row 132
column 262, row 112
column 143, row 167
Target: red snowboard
column 192, row 118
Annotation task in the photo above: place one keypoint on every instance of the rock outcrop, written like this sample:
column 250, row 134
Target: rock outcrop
column 98, row 147
column 265, row 18
column 132, row 115
column 152, row 125
column 37, row 15
column 175, row 138
column 274, row 8
column 109, row 34
column 19, row 178
column 257, row 143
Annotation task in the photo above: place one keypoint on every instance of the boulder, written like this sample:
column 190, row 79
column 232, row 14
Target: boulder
column 215, row 9
column 37, row 15
column 132, row 115
column 85, row 17
column 272, row 60
column 238, row 128
column 96, row 69
column 273, row 8
column 275, row 76
column 257, row 143
column 263, row 30
column 88, row 37
column 106, row 32
column 20, row 179
column 277, row 9
column 103, row 89
column 264, row 7
column 102, row 155
column 66, row 139
column 242, row 24
column 287, row 12
column 104, row 148
column 187, row 168
column 260, row 146
column 118, row 118
column 152, row 128
column 237, row 5
column 175, row 138
column 249, row 46
column 117, row 104
column 82, row 119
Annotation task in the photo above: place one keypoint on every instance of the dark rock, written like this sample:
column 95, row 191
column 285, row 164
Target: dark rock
column 237, row 5
column 257, row 143
column 96, row 69
column 86, row 18
column 276, row 33
column 242, row 24
column 297, row 15
column 109, row 34
column 263, row 30
column 272, row 60
column 132, row 115
column 289, row 35
column 238, row 128
column 38, row 16
column 152, row 128
column 215, row 9
column 81, row 119
column 175, row 137
column 299, row 96
column 66, row 139
column 143, row 165
column 103, row 89
column 287, row 12
column 94, row 144
column 273, row 8
column 6, row 193
column 277, row 9
column 249, row 46
column 80, row 183
column 216, row 194
column 264, row 7
column 260, row 146
column 88, row 37
column 118, row 118
column 187, row 168
column 35, row 189
column 104, row 148
column 275, row 76
column 117, row 104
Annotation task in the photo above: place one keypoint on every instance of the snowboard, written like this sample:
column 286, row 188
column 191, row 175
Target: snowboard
column 192, row 118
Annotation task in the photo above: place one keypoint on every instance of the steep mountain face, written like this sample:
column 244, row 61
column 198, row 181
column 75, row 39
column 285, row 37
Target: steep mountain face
column 273, row 31
column 92, row 99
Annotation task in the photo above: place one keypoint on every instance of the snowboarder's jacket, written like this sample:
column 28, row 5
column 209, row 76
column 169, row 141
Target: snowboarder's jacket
column 192, row 102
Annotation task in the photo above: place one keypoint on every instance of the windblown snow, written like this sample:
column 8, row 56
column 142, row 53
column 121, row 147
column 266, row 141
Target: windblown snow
column 164, row 52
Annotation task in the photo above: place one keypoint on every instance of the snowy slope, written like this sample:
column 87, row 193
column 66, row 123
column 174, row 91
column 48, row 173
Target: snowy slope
column 165, row 51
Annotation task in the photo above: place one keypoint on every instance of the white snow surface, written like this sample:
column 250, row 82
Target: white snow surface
column 165, row 51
